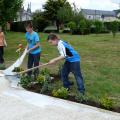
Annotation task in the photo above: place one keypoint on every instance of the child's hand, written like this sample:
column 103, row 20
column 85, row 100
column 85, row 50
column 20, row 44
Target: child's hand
column 28, row 51
column 5, row 45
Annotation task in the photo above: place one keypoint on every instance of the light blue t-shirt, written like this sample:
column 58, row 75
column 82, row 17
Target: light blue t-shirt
column 32, row 40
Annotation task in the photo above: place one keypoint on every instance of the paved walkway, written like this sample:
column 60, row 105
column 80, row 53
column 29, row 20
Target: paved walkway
column 18, row 104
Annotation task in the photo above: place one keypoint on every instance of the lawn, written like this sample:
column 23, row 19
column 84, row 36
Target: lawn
column 100, row 61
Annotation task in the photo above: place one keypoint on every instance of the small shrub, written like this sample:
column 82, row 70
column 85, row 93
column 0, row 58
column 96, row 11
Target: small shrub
column 61, row 93
column 44, row 87
column 45, row 72
column 81, row 98
column 41, row 79
column 45, row 81
column 18, row 69
column 2, row 67
column 55, row 93
column 25, row 81
column 106, row 103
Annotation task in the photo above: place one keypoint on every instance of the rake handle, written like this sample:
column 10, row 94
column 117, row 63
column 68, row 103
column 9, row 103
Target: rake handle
column 28, row 70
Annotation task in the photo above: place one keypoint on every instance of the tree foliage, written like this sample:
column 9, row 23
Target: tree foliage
column 98, row 26
column 39, row 21
column 114, row 28
column 8, row 10
column 51, row 9
column 64, row 14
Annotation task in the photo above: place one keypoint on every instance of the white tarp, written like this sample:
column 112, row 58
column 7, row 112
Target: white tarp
column 19, row 61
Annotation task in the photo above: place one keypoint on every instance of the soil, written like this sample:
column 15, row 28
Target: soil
column 36, row 88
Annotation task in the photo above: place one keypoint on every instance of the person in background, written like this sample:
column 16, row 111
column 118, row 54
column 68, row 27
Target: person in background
column 2, row 45
column 34, row 49
column 72, row 62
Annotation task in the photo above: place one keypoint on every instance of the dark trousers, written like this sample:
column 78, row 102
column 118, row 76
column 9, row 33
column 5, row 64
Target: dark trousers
column 33, row 61
column 73, row 67
column 1, row 54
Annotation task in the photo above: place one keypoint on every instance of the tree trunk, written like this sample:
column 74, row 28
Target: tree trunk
column 58, row 25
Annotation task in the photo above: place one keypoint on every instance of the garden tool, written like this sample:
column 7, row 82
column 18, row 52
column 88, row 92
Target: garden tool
column 28, row 70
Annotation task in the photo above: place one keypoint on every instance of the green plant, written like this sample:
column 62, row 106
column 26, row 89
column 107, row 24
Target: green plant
column 83, row 26
column 18, row 69
column 2, row 67
column 81, row 98
column 106, row 103
column 45, row 72
column 55, row 93
column 98, row 26
column 61, row 93
column 44, row 87
column 25, row 81
column 72, row 25
column 45, row 81
column 41, row 79
column 114, row 27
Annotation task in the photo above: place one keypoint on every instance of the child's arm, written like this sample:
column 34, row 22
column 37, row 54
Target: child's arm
column 36, row 46
column 5, row 43
column 56, row 59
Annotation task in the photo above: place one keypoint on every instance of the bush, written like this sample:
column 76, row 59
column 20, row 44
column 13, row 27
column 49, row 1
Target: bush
column 18, row 26
column 50, row 29
column 106, row 103
column 76, row 32
column 61, row 93
column 2, row 67
column 41, row 79
column 45, row 72
column 81, row 98
column 40, row 24
column 114, row 27
column 98, row 26
column 44, row 80
column 18, row 69
column 25, row 81
column 72, row 25
column 82, row 26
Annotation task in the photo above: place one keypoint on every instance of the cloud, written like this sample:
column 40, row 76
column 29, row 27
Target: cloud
column 88, row 4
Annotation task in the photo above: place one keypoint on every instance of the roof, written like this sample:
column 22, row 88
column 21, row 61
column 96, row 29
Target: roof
column 98, row 12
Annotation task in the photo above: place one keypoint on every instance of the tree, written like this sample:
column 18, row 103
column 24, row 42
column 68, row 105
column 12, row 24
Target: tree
column 77, row 15
column 8, row 10
column 72, row 26
column 64, row 14
column 114, row 27
column 83, row 26
column 51, row 8
column 39, row 22
column 98, row 26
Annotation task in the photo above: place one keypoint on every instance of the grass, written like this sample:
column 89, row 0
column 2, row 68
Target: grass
column 100, row 61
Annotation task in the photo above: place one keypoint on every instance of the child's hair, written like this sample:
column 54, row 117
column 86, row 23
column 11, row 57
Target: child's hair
column 52, row 36
column 29, row 24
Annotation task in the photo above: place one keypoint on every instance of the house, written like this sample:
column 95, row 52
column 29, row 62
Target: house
column 105, row 16
column 24, row 15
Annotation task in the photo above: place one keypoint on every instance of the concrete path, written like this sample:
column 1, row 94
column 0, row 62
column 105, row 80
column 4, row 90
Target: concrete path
column 19, row 104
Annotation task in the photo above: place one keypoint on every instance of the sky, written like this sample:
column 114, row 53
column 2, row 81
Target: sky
column 86, row 4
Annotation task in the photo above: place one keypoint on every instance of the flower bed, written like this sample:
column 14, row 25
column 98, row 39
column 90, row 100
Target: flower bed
column 45, row 84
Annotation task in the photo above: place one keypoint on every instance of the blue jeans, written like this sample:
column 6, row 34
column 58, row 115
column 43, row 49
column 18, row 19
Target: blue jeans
column 33, row 61
column 73, row 67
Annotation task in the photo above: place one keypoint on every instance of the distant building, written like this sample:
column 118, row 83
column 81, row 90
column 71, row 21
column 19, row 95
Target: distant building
column 106, row 16
column 24, row 15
